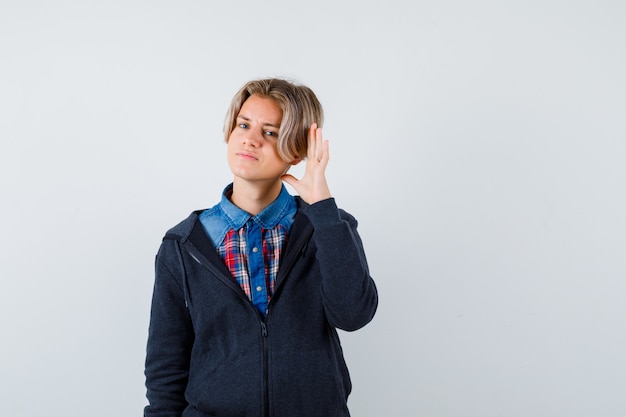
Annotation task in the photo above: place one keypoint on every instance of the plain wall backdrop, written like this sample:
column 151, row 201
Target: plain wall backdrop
column 481, row 144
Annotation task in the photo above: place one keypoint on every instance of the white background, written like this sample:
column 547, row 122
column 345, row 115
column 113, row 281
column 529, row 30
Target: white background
column 480, row 144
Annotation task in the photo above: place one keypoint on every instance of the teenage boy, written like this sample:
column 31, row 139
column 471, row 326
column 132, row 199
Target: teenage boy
column 248, row 294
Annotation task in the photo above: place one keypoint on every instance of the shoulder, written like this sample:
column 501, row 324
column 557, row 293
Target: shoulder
column 182, row 230
column 324, row 212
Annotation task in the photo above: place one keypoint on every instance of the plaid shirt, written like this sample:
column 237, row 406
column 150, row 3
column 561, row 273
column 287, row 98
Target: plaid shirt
column 251, row 246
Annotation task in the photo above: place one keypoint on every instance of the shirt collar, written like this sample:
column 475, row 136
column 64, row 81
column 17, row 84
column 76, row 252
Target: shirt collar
column 268, row 218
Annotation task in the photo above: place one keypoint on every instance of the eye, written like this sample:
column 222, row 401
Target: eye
column 271, row 133
column 243, row 125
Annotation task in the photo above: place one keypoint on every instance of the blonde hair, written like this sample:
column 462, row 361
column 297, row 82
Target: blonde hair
column 300, row 109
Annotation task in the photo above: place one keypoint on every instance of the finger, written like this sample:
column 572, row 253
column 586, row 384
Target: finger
column 317, row 139
column 311, row 142
column 319, row 144
column 326, row 155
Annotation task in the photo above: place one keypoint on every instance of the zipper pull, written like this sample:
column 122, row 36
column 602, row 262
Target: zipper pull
column 263, row 329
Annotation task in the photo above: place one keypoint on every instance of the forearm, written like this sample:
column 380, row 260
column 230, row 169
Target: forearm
column 349, row 293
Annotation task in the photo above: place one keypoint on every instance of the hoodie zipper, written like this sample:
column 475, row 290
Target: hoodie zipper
column 265, row 369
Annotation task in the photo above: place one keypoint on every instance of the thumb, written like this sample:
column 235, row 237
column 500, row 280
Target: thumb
column 290, row 179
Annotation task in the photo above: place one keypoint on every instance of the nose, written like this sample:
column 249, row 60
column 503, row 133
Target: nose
column 252, row 138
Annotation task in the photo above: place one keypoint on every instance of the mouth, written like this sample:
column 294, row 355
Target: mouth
column 246, row 155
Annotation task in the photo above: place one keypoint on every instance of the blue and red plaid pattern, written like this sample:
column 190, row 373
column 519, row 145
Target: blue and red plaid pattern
column 234, row 253
column 273, row 244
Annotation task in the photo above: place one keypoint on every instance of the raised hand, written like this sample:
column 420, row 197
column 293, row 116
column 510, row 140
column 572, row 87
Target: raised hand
column 313, row 187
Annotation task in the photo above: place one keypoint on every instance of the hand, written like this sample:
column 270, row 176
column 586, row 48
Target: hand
column 313, row 187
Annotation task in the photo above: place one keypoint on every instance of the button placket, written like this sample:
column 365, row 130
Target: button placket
column 256, row 266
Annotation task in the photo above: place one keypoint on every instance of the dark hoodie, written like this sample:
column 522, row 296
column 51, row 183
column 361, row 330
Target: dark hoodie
column 210, row 353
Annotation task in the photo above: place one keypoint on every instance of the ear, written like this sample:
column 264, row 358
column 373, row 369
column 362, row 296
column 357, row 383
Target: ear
column 296, row 161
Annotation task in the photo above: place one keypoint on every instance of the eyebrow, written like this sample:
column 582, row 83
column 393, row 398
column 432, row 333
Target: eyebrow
column 247, row 119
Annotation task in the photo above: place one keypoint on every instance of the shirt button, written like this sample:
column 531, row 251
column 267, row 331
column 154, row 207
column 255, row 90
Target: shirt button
column 255, row 249
column 259, row 288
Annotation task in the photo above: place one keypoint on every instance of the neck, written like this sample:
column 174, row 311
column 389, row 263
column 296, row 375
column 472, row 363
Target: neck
column 254, row 197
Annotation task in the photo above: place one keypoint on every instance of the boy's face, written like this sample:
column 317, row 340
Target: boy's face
column 252, row 145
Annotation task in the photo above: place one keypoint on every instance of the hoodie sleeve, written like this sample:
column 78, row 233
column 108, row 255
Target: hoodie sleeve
column 170, row 338
column 348, row 292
